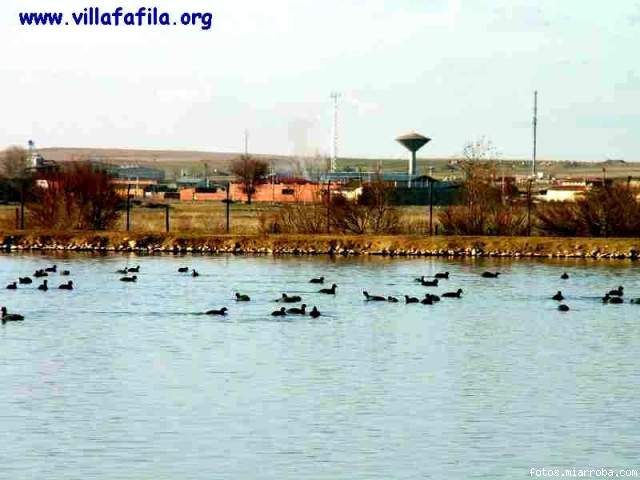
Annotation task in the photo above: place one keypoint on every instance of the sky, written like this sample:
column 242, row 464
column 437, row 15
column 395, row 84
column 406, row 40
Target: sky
column 453, row 70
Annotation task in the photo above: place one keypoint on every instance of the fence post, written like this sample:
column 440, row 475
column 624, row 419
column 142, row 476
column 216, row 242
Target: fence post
column 328, row 207
column 431, row 206
column 529, row 207
column 228, row 206
column 128, row 205
column 22, row 205
column 167, row 226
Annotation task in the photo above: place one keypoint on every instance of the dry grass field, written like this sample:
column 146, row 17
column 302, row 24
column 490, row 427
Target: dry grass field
column 210, row 218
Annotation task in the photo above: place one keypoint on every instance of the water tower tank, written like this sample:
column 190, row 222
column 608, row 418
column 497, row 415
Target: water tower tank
column 413, row 142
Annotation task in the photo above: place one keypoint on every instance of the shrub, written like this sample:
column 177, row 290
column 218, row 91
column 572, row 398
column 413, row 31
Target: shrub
column 78, row 197
column 612, row 210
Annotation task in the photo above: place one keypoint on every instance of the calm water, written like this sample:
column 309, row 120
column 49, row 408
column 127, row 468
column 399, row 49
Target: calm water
column 119, row 381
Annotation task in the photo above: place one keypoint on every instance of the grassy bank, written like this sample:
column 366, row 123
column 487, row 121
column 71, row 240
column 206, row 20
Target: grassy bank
column 401, row 245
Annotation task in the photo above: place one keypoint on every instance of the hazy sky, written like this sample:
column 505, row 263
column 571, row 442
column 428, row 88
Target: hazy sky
column 451, row 69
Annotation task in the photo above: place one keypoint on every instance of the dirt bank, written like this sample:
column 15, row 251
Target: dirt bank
column 324, row 244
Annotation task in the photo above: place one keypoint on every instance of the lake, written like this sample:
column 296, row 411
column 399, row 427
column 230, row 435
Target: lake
column 130, row 381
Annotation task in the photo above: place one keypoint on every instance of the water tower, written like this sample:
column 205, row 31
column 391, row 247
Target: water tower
column 413, row 142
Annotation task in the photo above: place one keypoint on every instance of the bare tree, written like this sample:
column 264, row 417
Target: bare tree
column 14, row 162
column 249, row 171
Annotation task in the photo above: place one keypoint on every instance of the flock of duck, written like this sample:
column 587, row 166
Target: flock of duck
column 615, row 296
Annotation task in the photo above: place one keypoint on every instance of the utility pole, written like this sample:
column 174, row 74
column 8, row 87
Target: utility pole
column 535, row 133
column 335, row 96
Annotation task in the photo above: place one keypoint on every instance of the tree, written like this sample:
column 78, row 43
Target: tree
column 14, row 162
column 249, row 171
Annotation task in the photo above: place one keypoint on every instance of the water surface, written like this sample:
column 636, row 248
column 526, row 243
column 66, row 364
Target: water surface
column 130, row 381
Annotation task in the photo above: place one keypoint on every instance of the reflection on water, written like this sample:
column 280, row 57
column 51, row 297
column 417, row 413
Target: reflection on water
column 130, row 381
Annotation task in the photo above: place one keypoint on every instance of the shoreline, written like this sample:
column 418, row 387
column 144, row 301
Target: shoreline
column 343, row 245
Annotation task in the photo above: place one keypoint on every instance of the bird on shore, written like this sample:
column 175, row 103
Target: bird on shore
column 373, row 298
column 129, row 279
column 222, row 312
column 490, row 275
column 66, row 286
column 329, row 291
column 430, row 283
column 444, row 276
column 242, row 298
column 558, row 296
column 25, row 281
column 391, row 299
column 563, row 308
column 10, row 317
column 408, row 299
column 317, row 280
column 12, row 286
column 564, row 276
column 65, row 273
column 279, row 313
column 619, row 292
column 315, row 313
column 44, row 287
column 195, row 274
column 298, row 311
column 52, row 269
column 287, row 299
column 183, row 270
column 456, row 294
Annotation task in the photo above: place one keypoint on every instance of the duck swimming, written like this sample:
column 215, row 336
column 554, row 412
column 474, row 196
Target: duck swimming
column 456, row 294
column 430, row 283
column 65, row 273
column 317, row 280
column 329, row 291
column 242, row 298
column 612, row 300
column 66, row 286
column 427, row 300
column 279, row 313
column 558, row 296
column 315, row 313
column 183, row 270
column 564, row 276
column 40, row 274
column 444, row 276
column 408, row 299
column 10, row 317
column 195, row 274
column 392, row 299
column 373, row 298
column 25, row 281
column 129, row 279
column 563, row 308
column 134, row 269
column 52, row 269
column 222, row 312
column 287, row 299
column 490, row 275
column 298, row 311
column 619, row 292
column 122, row 271
column 44, row 287
column 12, row 286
